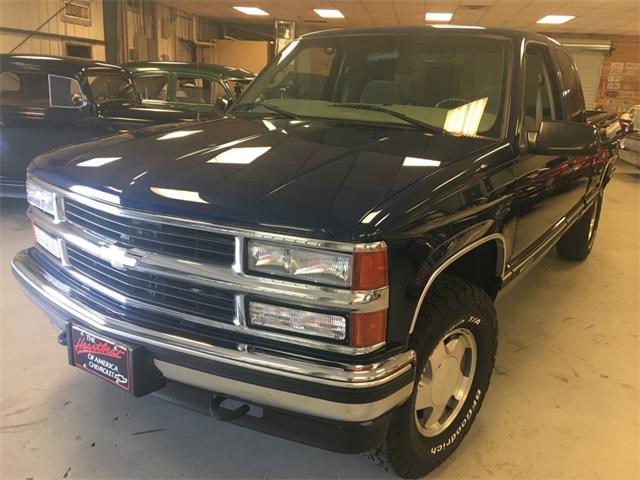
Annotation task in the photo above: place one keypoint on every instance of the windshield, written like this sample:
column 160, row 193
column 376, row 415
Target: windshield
column 107, row 87
column 453, row 82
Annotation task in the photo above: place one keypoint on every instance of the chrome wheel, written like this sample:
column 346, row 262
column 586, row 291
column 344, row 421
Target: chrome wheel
column 445, row 382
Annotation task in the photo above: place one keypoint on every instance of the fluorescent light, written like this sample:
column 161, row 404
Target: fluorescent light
column 178, row 134
column 556, row 19
column 251, row 11
column 240, row 155
column 328, row 13
column 465, row 119
column 184, row 195
column 438, row 17
column 97, row 161
column 420, row 162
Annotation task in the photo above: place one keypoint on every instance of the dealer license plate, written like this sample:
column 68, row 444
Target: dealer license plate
column 104, row 358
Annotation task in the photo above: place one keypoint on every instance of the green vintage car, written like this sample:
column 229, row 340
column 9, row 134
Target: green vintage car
column 202, row 87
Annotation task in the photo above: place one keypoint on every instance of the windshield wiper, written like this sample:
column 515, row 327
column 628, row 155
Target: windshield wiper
column 268, row 106
column 377, row 108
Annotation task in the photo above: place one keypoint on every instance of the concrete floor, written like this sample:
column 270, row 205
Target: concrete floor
column 563, row 402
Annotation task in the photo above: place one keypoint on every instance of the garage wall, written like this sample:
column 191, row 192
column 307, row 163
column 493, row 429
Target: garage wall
column 589, row 65
column 619, row 87
column 245, row 54
column 18, row 18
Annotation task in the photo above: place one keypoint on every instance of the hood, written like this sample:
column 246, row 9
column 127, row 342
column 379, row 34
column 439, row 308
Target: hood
column 315, row 178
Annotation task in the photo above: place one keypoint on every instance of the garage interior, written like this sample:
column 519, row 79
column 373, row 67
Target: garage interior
column 565, row 395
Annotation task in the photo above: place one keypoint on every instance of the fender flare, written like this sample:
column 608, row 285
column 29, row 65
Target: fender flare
column 501, row 266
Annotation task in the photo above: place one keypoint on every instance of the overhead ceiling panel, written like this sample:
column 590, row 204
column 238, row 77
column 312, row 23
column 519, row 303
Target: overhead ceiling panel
column 592, row 16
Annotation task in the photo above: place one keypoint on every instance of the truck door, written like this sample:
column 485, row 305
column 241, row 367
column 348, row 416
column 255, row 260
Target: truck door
column 548, row 186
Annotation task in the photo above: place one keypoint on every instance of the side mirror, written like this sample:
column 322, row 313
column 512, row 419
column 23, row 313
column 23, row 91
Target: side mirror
column 560, row 137
column 77, row 100
column 222, row 104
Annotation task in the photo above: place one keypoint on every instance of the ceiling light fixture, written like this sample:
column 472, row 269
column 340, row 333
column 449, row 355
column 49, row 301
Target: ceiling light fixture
column 556, row 19
column 438, row 17
column 251, row 11
column 328, row 13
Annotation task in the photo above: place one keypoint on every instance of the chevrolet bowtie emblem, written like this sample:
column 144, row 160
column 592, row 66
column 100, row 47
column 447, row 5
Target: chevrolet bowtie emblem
column 118, row 257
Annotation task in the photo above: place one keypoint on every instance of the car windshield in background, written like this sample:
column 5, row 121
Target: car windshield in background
column 112, row 87
column 237, row 86
column 451, row 82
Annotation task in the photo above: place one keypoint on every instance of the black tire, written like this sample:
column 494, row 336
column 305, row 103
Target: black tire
column 577, row 242
column 452, row 304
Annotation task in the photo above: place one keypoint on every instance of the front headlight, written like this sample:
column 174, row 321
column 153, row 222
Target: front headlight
column 41, row 198
column 292, row 320
column 300, row 263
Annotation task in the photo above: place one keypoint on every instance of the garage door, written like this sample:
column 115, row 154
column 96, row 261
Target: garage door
column 589, row 65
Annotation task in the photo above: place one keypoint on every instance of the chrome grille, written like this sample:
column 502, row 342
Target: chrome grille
column 182, row 242
column 165, row 292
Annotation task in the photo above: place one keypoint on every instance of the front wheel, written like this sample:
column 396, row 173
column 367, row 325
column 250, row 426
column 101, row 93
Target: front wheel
column 455, row 340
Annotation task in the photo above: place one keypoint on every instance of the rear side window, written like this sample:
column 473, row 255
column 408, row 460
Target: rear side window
column 572, row 89
column 39, row 90
column 24, row 89
column 152, row 87
column 193, row 90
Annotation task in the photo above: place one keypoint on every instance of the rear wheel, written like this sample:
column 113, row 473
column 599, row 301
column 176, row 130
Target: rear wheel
column 455, row 340
column 577, row 242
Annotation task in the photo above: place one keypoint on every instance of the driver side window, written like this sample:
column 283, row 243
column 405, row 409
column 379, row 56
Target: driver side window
column 540, row 101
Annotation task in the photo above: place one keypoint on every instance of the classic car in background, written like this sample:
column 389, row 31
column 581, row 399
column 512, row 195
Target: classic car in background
column 629, row 148
column 197, row 87
column 48, row 102
column 629, row 145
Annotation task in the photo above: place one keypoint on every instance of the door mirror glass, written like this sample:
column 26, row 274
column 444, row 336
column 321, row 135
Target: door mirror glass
column 559, row 137
column 77, row 100
column 222, row 104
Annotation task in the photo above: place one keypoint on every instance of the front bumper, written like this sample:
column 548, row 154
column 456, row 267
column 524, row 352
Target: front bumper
column 346, row 393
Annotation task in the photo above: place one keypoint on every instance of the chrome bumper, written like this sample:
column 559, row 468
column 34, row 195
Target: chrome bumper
column 56, row 299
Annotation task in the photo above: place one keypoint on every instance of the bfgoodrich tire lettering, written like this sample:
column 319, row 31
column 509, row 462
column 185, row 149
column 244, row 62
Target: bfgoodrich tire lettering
column 452, row 305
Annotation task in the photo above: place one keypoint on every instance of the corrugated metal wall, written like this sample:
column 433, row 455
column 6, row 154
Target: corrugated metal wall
column 146, row 31
column 27, row 15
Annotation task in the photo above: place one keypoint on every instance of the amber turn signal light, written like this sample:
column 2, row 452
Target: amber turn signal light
column 367, row 329
column 370, row 270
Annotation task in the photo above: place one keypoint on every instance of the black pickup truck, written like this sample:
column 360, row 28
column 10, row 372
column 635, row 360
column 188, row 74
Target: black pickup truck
column 323, row 260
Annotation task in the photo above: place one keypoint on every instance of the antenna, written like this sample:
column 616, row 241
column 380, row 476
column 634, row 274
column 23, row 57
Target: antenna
column 40, row 27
